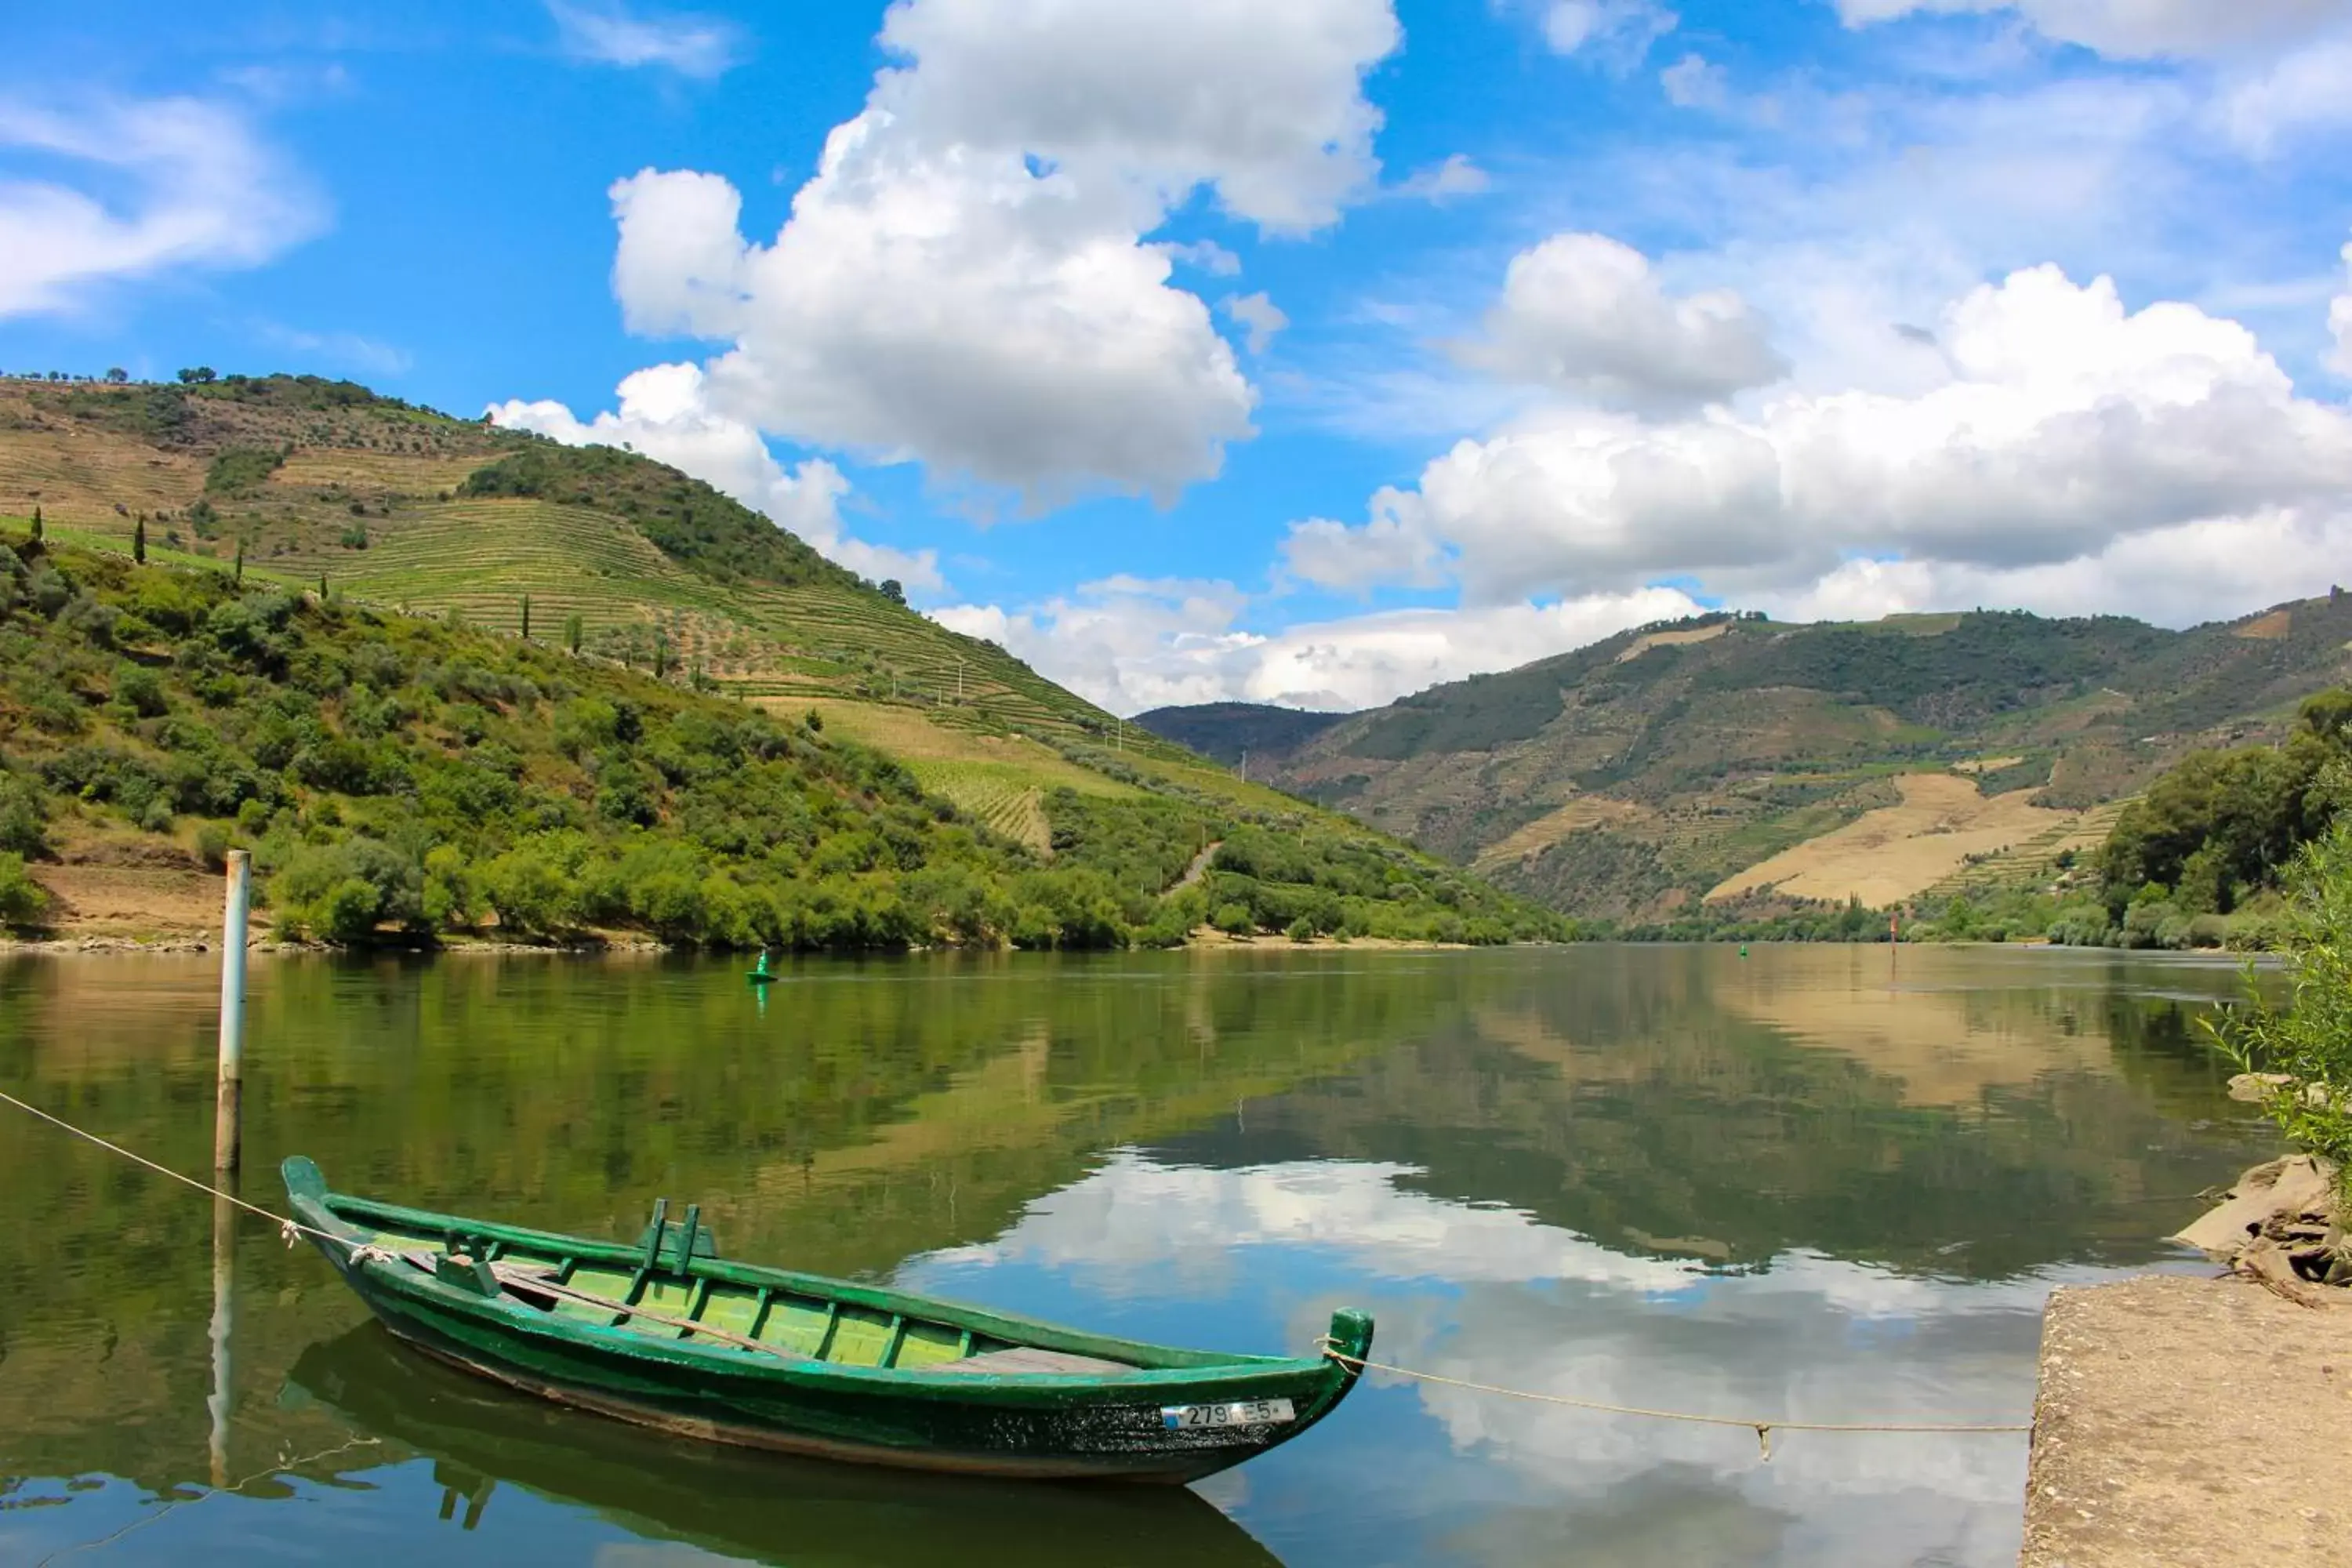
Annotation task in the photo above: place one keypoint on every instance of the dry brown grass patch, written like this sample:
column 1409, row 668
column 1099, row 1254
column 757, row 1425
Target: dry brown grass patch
column 1674, row 639
column 1585, row 811
column 1898, row 851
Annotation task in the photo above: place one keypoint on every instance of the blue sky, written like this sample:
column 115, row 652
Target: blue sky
column 1309, row 353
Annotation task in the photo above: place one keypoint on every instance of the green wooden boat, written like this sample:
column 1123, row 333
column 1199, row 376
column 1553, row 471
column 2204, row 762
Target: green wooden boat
column 665, row 1333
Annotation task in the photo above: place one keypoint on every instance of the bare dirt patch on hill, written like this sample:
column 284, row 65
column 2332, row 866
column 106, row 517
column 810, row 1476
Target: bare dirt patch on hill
column 1897, row 851
column 1585, row 811
column 1673, row 639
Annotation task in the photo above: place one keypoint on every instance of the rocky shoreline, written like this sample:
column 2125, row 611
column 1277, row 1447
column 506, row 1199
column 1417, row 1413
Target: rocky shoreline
column 2204, row 1421
column 2281, row 1227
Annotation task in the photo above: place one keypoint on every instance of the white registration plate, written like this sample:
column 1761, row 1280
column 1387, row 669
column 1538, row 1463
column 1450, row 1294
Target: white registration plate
column 1247, row 1413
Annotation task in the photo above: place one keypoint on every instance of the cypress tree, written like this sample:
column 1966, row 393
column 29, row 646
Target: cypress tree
column 139, row 540
column 36, row 523
column 573, row 626
column 241, row 562
column 526, row 617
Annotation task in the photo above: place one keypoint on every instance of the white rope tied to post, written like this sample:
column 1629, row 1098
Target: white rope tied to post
column 292, row 1230
column 1762, row 1428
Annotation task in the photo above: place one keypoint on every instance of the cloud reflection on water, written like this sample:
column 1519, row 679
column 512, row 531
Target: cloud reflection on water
column 1493, row 1295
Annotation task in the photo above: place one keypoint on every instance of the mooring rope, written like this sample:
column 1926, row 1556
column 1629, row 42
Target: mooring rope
column 292, row 1230
column 143, row 1520
column 1763, row 1429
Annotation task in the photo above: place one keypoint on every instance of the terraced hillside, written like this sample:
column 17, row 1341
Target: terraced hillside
column 409, row 510
column 1739, row 762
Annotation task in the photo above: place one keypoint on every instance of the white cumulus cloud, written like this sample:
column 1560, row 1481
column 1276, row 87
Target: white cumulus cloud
column 1264, row 103
column 2309, row 89
column 1583, row 313
column 1694, row 82
column 965, row 282
column 1620, row 31
column 608, row 34
column 1130, row 645
column 2067, row 425
column 1259, row 316
column 187, row 185
column 664, row 413
column 1441, row 183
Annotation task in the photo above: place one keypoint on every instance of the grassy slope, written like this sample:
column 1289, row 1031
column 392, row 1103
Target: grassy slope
column 402, row 510
column 1634, row 777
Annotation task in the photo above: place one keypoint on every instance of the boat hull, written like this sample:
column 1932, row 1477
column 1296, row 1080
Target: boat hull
column 1147, row 1469
column 739, row 1503
column 1042, row 1427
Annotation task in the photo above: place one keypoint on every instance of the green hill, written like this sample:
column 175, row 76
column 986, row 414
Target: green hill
column 444, row 677
column 1756, row 765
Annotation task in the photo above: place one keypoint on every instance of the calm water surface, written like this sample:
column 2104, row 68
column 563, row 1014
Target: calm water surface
column 1831, row 1183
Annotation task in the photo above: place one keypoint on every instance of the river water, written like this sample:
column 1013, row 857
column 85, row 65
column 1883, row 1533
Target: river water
column 1828, row 1183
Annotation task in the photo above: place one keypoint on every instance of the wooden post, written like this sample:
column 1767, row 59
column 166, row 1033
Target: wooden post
column 228, row 1114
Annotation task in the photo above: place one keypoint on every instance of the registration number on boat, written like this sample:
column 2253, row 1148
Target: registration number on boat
column 1247, row 1413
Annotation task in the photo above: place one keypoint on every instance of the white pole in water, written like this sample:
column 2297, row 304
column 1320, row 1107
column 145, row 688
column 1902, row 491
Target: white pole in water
column 223, row 1327
column 228, row 1114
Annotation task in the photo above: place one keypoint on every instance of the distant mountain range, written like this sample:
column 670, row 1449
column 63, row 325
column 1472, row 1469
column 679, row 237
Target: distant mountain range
column 1233, row 732
column 1731, row 758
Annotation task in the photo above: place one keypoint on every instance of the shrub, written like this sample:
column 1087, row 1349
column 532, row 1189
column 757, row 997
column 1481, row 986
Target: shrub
column 2081, row 927
column 349, row 912
column 141, row 689
column 2308, row 1043
column 1235, row 919
column 449, row 887
column 530, row 892
column 1035, row 928
column 344, row 891
column 2150, row 920
column 24, row 823
column 1301, row 929
column 212, row 845
column 241, row 469
column 1166, row 927
column 23, row 902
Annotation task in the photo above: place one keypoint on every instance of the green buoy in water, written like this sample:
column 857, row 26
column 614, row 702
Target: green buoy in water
column 761, row 975
column 1743, row 950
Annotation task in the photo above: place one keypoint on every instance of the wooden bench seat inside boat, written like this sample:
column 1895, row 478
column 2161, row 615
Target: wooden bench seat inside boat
column 1027, row 1360
column 809, row 1327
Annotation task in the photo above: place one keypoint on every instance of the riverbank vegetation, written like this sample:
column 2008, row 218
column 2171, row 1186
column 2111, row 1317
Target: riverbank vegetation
column 400, row 778
column 2304, row 1049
